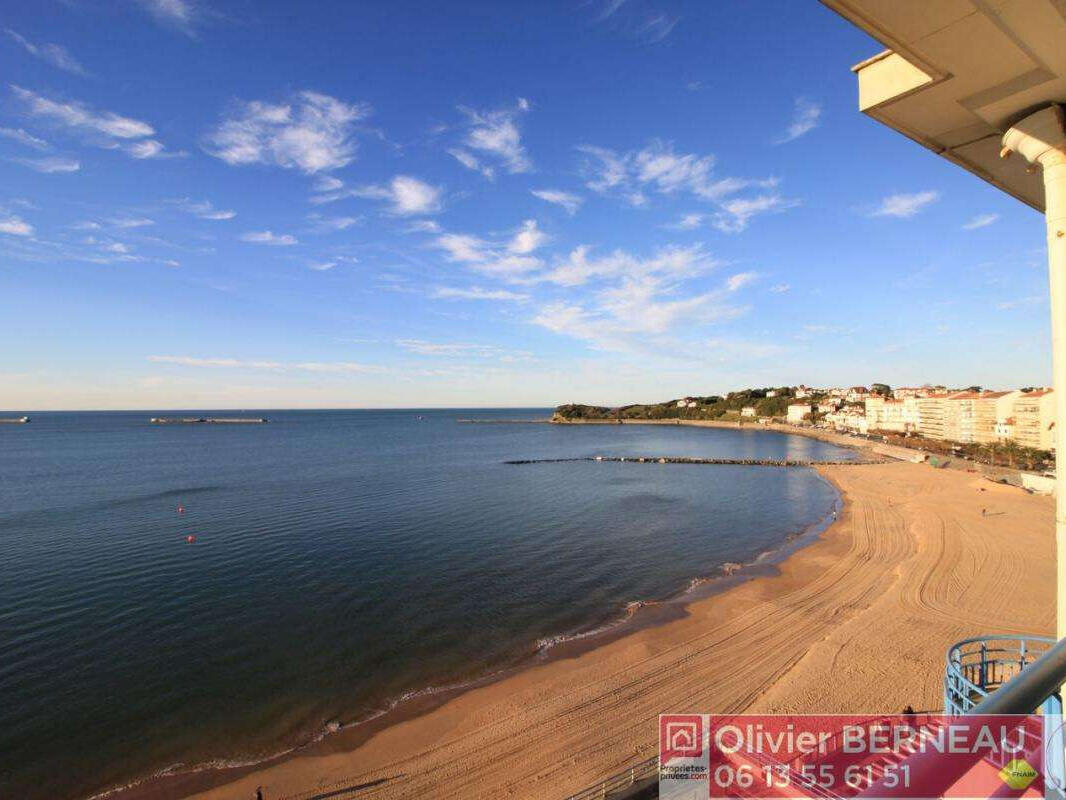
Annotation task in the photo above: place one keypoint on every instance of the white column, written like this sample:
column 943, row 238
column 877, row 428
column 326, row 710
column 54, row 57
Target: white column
column 1041, row 139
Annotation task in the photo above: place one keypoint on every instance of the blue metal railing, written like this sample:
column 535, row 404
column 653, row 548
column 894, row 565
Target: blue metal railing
column 979, row 666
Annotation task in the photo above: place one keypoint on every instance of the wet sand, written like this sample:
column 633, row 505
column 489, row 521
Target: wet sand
column 857, row 622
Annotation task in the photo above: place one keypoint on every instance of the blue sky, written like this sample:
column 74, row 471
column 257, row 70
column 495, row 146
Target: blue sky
column 210, row 204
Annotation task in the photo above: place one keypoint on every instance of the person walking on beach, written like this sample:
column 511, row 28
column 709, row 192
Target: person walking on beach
column 258, row 793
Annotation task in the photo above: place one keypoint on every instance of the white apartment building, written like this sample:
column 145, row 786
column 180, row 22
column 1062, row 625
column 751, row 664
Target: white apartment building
column 747, row 411
column 797, row 411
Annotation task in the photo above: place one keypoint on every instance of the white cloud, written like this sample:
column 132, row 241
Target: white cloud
column 308, row 366
column 737, row 213
column 527, row 239
column 805, row 119
column 79, row 116
column 687, row 222
column 327, row 183
column 780, row 288
column 904, row 205
column 54, row 54
column 50, row 164
column 424, row 348
column 15, row 226
column 23, row 137
column 408, row 195
column 579, row 267
column 488, row 257
column 312, row 133
column 740, row 280
column 424, row 226
column 495, row 134
column 570, row 202
column 477, row 293
column 148, row 148
column 659, row 168
column 180, row 14
column 131, row 222
column 269, row 238
column 323, row 266
column 980, row 221
column 624, row 316
column 470, row 161
column 204, row 209
column 332, row 224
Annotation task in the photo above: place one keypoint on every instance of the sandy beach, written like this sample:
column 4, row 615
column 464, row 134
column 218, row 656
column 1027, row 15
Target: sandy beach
column 857, row 622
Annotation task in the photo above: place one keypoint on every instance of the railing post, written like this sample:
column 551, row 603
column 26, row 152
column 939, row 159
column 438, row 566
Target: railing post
column 1054, row 756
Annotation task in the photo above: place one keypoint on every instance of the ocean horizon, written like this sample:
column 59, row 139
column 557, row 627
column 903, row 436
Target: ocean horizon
column 339, row 561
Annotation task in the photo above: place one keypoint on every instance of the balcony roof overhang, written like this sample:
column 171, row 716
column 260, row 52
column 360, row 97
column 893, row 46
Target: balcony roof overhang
column 958, row 73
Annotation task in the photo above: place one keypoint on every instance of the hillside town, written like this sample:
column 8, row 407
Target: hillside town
column 970, row 416
column 1014, row 428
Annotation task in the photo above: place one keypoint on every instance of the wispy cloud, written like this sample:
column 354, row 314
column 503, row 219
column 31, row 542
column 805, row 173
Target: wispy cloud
column 736, row 214
column 182, row 15
column 102, row 128
column 687, row 222
column 448, row 349
column 478, row 293
column 635, row 20
column 780, row 288
column 79, row 116
column 507, row 258
column 15, row 226
column 131, row 222
column 570, row 202
column 204, row 209
column 805, row 119
column 269, row 238
column 580, row 266
column 237, row 363
column 905, row 205
column 54, row 54
column 312, row 133
column 496, row 136
column 980, row 221
column 406, row 195
column 321, row 224
column 660, row 169
column 740, row 280
column 470, row 161
column 24, row 138
column 50, row 164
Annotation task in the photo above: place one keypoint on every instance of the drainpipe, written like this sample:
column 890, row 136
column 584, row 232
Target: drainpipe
column 1041, row 139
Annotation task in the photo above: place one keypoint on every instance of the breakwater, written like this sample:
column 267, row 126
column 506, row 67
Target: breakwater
column 743, row 462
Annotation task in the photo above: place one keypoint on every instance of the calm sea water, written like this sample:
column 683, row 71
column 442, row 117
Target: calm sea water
column 342, row 558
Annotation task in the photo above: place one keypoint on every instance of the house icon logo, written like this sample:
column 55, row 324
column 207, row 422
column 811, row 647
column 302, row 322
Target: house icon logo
column 680, row 736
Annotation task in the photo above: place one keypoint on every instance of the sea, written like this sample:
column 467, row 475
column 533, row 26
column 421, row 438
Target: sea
column 179, row 597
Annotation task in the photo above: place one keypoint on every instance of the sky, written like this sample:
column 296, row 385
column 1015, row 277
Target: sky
column 208, row 204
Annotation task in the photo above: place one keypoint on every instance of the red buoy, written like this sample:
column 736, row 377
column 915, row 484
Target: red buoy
column 181, row 509
column 190, row 538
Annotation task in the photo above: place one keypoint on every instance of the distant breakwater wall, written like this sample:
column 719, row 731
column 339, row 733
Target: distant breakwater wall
column 742, row 462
